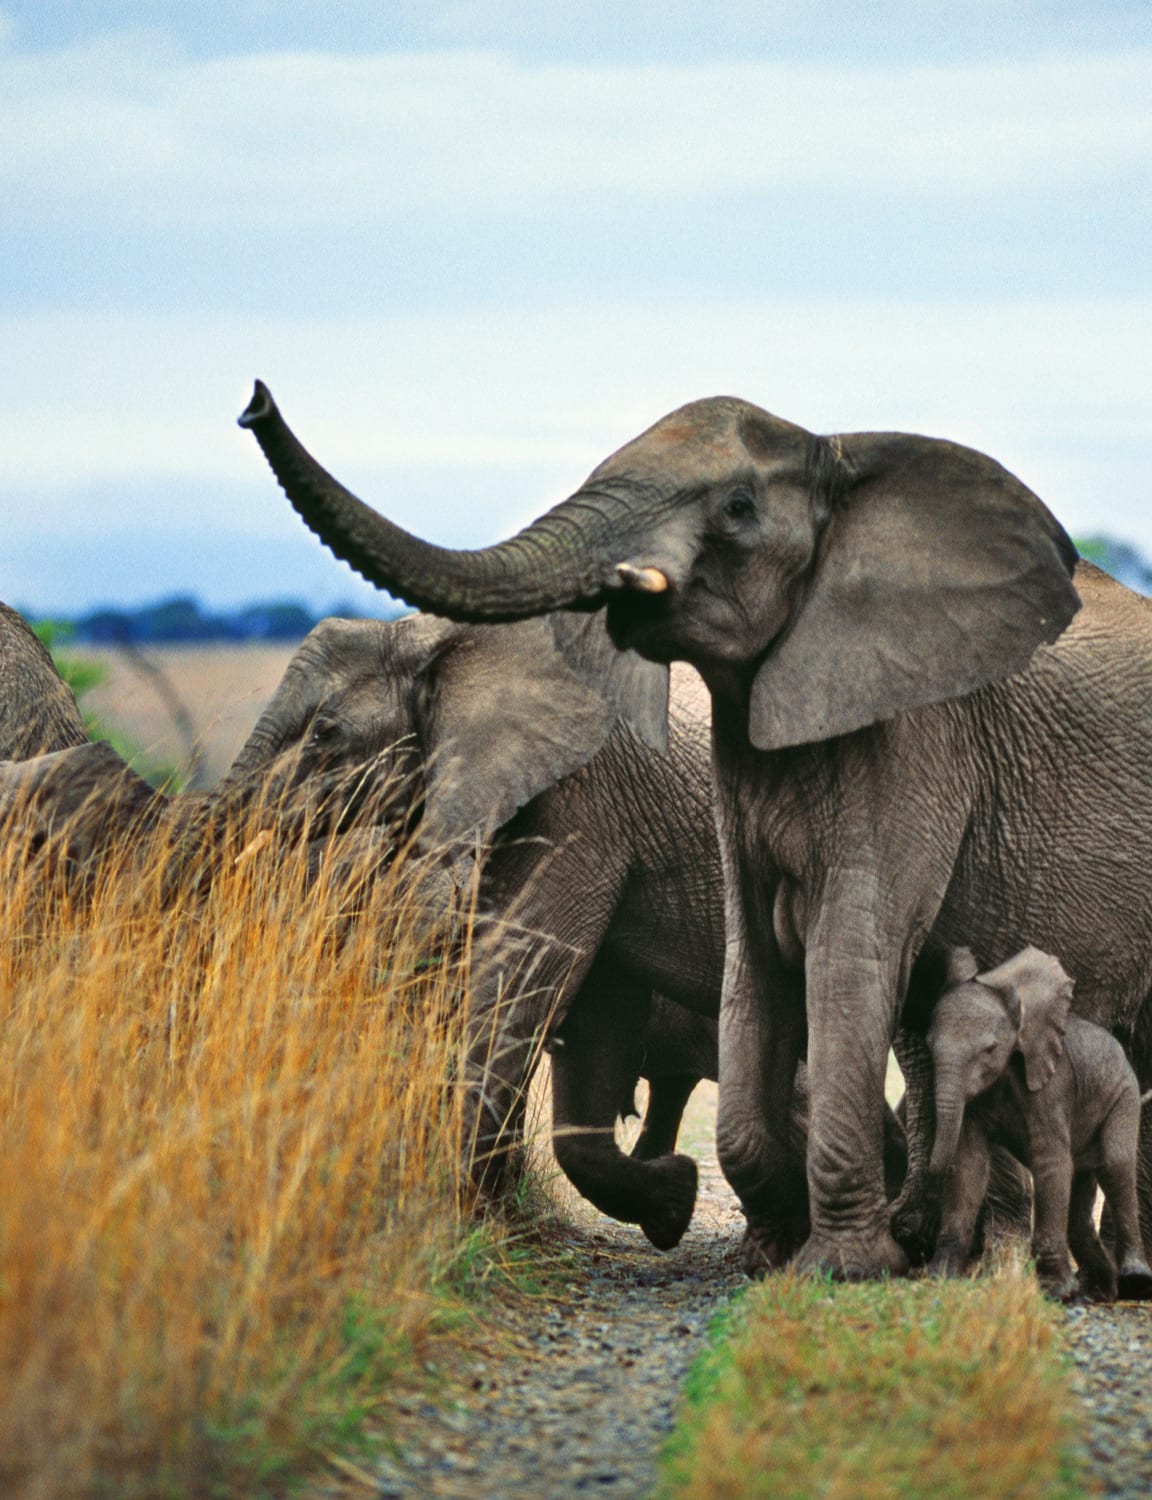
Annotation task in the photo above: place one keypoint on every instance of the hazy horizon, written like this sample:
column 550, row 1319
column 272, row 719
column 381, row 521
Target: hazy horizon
column 472, row 249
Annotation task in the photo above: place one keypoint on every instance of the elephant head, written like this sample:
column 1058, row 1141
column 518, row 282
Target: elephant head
column 837, row 581
column 981, row 1021
column 457, row 726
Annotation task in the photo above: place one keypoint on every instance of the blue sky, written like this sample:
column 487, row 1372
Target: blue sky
column 473, row 247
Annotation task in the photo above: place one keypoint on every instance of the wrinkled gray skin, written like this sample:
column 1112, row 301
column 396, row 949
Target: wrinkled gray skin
column 1013, row 1067
column 37, row 710
column 602, row 884
column 909, row 742
column 49, row 772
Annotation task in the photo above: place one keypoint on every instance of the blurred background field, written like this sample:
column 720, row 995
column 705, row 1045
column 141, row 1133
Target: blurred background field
column 222, row 687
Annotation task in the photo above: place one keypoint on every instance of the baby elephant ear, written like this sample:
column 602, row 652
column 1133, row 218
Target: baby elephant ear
column 961, row 967
column 1041, row 989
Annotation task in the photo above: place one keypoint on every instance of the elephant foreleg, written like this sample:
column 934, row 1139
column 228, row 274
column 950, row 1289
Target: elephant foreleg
column 760, row 1049
column 592, row 1071
column 851, row 1019
column 511, row 1006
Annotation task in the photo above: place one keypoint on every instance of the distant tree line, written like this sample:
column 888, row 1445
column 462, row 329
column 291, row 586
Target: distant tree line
column 1121, row 559
column 183, row 618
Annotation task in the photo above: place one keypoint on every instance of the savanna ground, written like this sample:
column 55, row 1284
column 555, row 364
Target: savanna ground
column 232, row 1262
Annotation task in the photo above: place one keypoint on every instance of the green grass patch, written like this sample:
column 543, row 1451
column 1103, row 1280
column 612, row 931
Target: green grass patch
column 911, row 1388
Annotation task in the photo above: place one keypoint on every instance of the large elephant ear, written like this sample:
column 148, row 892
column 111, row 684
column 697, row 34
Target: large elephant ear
column 937, row 572
column 503, row 718
column 1037, row 984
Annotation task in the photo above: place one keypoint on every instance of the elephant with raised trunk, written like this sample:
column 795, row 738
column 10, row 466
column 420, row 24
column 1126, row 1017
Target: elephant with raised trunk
column 910, row 745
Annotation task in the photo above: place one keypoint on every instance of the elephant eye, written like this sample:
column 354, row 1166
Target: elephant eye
column 739, row 505
column 324, row 731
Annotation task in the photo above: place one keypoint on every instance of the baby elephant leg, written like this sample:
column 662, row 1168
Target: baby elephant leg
column 1119, row 1142
column 1097, row 1268
column 1052, row 1182
column 964, row 1191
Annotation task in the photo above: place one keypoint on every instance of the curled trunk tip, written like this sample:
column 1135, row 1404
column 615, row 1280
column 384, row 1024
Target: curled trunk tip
column 553, row 563
column 260, row 406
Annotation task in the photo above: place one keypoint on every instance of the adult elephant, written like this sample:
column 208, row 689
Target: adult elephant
column 378, row 730
column 907, row 746
column 600, row 882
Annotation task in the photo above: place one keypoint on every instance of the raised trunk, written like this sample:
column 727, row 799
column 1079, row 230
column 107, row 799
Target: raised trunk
column 565, row 556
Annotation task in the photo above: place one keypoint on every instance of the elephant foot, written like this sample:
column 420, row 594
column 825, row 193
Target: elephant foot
column 847, row 1258
column 1134, row 1281
column 1060, row 1288
column 1096, row 1286
column 947, row 1261
column 915, row 1225
column 674, row 1196
column 764, row 1250
column 1057, row 1279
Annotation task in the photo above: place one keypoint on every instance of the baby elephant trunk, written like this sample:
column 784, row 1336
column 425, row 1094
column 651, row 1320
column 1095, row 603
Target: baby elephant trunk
column 949, row 1119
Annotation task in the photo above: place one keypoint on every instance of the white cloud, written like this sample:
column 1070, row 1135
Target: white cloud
column 291, row 139
column 519, row 404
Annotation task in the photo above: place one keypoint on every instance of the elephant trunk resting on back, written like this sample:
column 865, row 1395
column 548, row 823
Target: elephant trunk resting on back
column 910, row 742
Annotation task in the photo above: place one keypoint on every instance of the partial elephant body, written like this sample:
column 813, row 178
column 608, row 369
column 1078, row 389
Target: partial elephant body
column 38, row 713
column 603, row 888
column 1023, row 811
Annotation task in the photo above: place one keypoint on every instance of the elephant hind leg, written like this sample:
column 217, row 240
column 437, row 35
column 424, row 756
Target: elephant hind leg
column 667, row 1100
column 591, row 1073
column 1118, row 1150
column 1096, row 1267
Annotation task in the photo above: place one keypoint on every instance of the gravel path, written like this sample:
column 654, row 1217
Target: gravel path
column 1112, row 1347
column 580, row 1392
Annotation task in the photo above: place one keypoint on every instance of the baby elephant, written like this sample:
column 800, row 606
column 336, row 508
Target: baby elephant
column 1013, row 1068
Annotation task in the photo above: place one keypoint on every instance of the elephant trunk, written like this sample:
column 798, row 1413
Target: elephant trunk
column 258, row 751
column 282, row 723
column 565, row 556
column 950, row 1103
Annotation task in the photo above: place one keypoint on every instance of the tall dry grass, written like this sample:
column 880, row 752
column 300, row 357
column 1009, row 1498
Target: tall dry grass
column 227, row 1162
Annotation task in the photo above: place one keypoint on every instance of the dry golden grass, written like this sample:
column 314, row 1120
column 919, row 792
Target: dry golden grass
column 903, row 1389
column 227, row 1160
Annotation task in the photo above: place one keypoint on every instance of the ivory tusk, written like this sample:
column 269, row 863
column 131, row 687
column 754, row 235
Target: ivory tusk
column 644, row 580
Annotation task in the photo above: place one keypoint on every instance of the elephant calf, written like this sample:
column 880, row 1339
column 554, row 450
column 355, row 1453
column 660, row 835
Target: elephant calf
column 1013, row 1067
